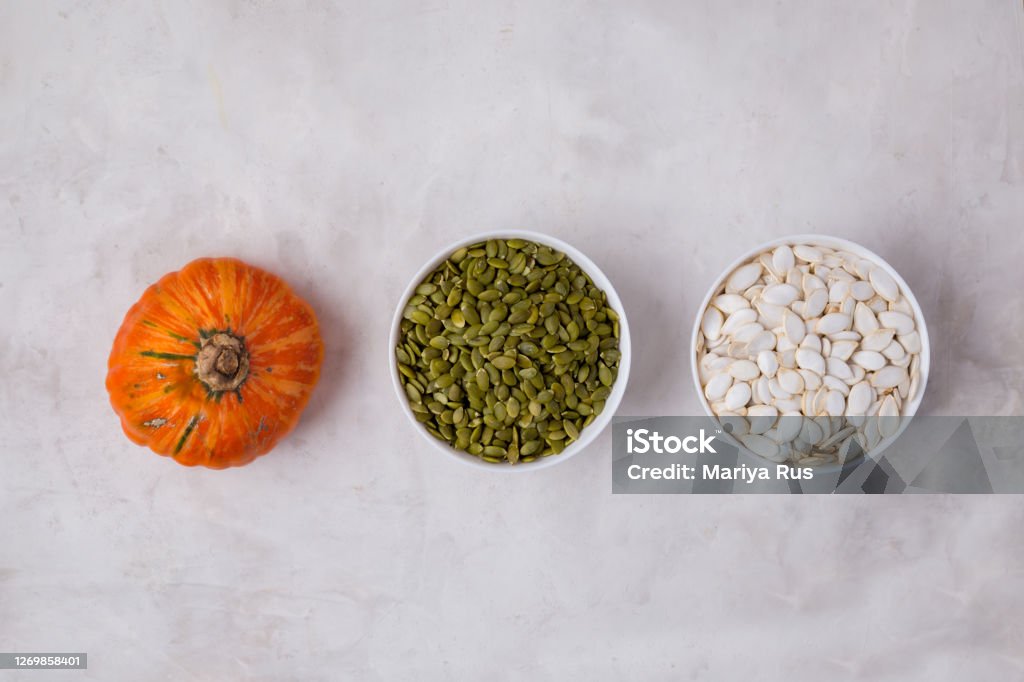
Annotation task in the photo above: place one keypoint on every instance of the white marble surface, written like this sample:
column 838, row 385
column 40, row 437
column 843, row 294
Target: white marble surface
column 339, row 145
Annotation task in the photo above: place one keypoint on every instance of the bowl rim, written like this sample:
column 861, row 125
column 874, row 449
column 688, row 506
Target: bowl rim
column 829, row 241
column 587, row 435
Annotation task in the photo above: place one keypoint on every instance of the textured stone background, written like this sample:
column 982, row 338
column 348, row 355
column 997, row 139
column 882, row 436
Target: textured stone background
column 342, row 144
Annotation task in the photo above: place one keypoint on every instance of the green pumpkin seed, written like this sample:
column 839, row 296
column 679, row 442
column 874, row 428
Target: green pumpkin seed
column 504, row 362
column 418, row 316
column 530, row 447
column 489, row 296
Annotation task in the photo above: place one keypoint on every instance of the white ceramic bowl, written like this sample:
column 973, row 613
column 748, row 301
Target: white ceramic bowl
column 588, row 434
column 909, row 409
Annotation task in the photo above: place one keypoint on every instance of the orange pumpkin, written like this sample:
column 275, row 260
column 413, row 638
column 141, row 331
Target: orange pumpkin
column 214, row 364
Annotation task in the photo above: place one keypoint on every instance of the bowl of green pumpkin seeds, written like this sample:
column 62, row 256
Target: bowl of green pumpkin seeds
column 510, row 351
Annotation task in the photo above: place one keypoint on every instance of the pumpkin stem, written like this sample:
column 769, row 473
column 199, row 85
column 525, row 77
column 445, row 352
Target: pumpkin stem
column 222, row 363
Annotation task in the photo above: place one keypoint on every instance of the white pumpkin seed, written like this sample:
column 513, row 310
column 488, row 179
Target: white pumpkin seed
column 840, row 435
column 911, row 342
column 811, row 432
column 827, row 427
column 730, row 303
column 815, row 303
column 869, row 360
column 763, row 341
column 760, row 445
column 767, row 363
column 861, row 291
column 833, row 323
column 744, row 370
column 839, row 291
column 780, row 294
column 888, row 377
column 791, row 381
column 888, row 417
column 747, row 332
column 761, row 417
column 738, row 319
column 812, row 381
column 878, row 305
column 861, row 396
column 838, row 369
column 863, row 268
column 763, row 391
column 770, row 314
column 835, row 384
column 743, row 278
column 789, row 426
column 736, row 350
column 884, row 284
column 915, row 385
column 716, row 388
column 782, row 259
column 864, row 320
column 902, row 306
column 843, row 350
column 711, row 323
column 835, row 403
column 810, row 360
column 811, row 342
column 894, row 351
column 739, row 425
column 807, row 253
column 778, row 393
column 794, row 326
column 878, row 340
column 737, row 396
column 782, row 344
column 900, row 323
column 787, row 405
column 839, row 274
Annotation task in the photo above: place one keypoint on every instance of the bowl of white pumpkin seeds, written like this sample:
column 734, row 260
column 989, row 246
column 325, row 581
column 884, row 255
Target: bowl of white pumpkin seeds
column 811, row 351
column 510, row 350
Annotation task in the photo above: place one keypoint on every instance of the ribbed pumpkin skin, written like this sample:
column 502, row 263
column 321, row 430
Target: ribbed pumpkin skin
column 152, row 378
